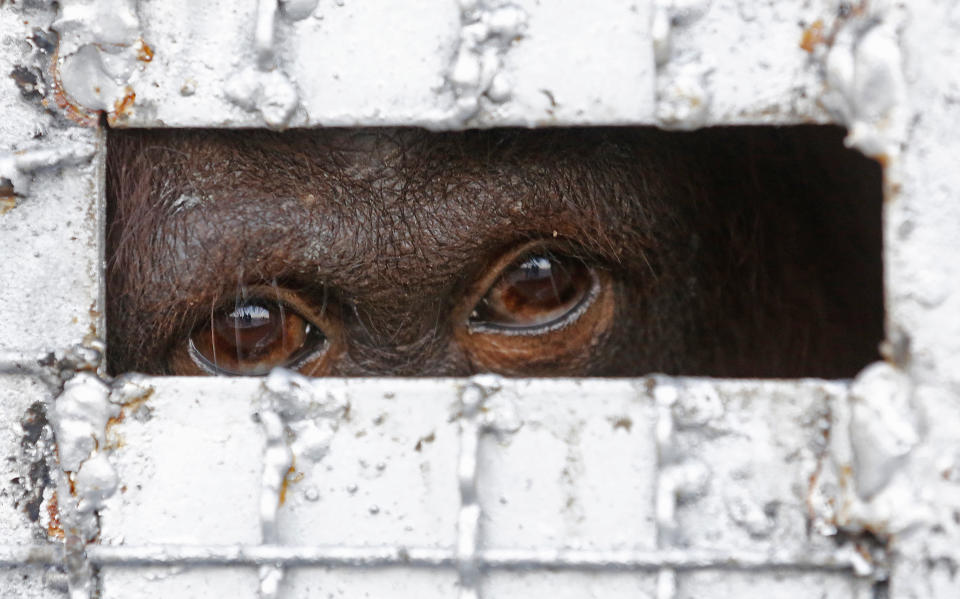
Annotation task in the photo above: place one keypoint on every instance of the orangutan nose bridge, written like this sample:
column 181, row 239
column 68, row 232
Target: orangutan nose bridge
column 484, row 487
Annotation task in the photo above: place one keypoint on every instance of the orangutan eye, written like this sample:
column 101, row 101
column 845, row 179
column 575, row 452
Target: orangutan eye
column 252, row 337
column 537, row 293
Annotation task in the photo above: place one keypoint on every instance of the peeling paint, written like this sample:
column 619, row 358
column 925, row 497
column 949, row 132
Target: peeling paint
column 865, row 86
column 297, row 424
column 882, row 431
column 487, row 29
column 683, row 98
column 296, row 10
column 100, row 51
column 20, row 166
column 264, row 87
column 270, row 93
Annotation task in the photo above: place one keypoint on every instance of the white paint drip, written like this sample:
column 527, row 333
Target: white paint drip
column 487, row 29
column 20, row 166
column 668, row 14
column 500, row 415
column 677, row 479
column 264, row 34
column 866, row 484
column 269, row 92
column 882, row 431
column 472, row 398
column 79, row 419
column 298, row 424
column 100, row 49
column 744, row 509
column 683, row 98
column 865, row 82
column 296, row 10
column 277, row 461
column 678, row 482
column 107, row 22
column 265, row 87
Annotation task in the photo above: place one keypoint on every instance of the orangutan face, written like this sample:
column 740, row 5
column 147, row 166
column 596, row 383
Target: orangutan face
column 535, row 253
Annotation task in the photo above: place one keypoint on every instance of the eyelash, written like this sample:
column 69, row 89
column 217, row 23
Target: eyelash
column 522, row 291
column 536, row 290
column 565, row 320
column 312, row 345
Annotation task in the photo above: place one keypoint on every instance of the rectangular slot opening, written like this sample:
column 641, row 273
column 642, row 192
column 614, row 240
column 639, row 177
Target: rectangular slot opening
column 733, row 252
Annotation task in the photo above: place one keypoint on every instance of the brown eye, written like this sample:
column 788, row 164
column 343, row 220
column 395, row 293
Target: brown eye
column 252, row 337
column 540, row 292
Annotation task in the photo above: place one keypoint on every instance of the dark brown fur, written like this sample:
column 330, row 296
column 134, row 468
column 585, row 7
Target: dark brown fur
column 738, row 252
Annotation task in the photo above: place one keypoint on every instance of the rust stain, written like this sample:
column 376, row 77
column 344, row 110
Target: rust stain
column 114, row 439
column 121, row 106
column 144, row 51
column 624, row 423
column 290, row 477
column 138, row 401
column 813, row 36
column 7, row 203
column 75, row 113
column 54, row 527
column 883, row 159
column 92, row 333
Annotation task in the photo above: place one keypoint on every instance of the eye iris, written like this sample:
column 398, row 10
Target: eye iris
column 537, row 284
column 253, row 337
column 535, row 291
column 248, row 328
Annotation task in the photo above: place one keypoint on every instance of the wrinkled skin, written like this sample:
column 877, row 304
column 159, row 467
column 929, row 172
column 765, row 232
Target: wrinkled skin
column 740, row 252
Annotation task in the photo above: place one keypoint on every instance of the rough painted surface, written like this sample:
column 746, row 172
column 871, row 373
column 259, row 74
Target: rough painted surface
column 445, row 64
column 892, row 74
column 380, row 464
column 26, row 486
column 434, row 63
column 50, row 210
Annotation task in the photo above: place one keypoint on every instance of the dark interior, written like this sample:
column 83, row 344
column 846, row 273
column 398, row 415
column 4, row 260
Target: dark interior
column 788, row 221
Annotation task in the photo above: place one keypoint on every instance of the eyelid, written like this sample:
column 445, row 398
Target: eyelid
column 557, row 324
column 313, row 314
column 205, row 365
column 290, row 300
column 492, row 273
